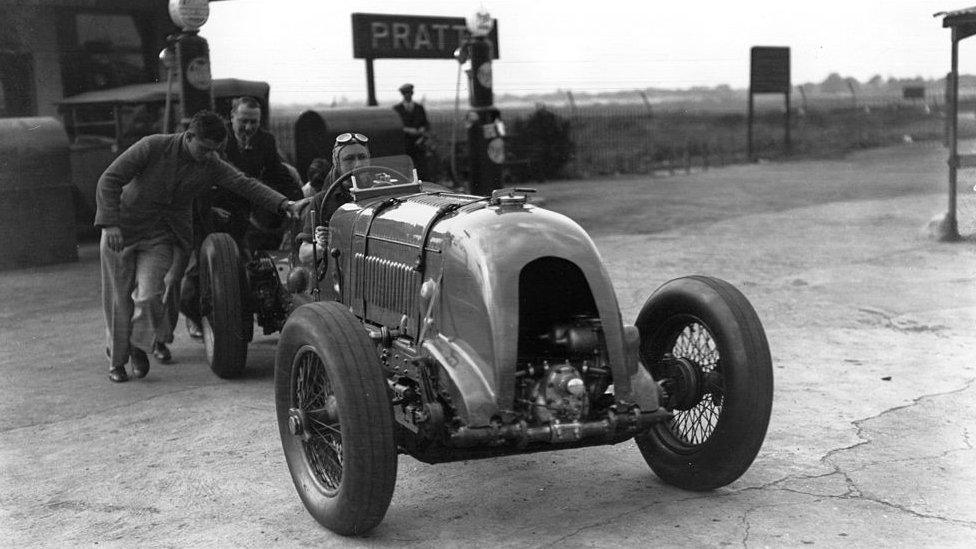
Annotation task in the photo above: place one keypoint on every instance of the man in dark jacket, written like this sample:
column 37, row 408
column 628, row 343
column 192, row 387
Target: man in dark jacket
column 144, row 201
column 415, row 128
column 253, row 151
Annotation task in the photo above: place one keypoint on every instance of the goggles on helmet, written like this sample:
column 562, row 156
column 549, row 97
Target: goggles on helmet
column 347, row 137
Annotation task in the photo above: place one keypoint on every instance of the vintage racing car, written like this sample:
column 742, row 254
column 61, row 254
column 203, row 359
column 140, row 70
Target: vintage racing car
column 451, row 327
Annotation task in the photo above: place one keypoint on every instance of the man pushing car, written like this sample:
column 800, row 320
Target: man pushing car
column 144, row 201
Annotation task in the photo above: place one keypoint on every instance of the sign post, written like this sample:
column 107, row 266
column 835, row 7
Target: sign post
column 769, row 73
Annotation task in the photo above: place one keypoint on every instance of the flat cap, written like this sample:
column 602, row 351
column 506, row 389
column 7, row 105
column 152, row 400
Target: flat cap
column 406, row 88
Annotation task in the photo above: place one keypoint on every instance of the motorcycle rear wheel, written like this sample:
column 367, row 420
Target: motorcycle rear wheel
column 226, row 327
column 704, row 342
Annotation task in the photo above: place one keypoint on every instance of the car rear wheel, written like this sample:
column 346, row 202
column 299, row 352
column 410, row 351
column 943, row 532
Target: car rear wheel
column 226, row 332
column 704, row 343
column 334, row 418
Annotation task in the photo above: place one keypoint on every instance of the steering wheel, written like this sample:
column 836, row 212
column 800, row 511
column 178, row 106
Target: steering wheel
column 389, row 175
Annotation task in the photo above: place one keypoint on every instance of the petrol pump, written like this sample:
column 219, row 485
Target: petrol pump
column 187, row 57
column 486, row 131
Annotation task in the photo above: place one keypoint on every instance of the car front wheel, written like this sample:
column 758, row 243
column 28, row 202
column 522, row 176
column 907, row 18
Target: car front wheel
column 334, row 418
column 704, row 344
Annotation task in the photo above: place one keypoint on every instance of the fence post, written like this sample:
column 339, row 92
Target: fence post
column 687, row 156
column 671, row 158
column 572, row 102
column 647, row 102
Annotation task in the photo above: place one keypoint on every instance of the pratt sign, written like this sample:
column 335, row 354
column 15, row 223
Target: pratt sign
column 377, row 36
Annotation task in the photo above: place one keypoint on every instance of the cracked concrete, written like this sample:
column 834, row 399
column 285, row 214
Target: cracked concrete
column 870, row 444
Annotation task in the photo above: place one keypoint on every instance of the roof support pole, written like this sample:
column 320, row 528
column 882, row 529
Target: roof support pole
column 951, row 223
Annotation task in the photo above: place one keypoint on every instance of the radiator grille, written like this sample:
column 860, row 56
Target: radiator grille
column 438, row 200
column 388, row 284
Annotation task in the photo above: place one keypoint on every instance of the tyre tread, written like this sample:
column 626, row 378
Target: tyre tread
column 219, row 252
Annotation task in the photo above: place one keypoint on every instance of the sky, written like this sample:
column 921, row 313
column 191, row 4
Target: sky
column 303, row 48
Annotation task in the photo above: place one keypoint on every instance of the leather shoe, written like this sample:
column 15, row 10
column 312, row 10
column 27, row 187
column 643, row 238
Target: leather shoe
column 193, row 328
column 161, row 352
column 140, row 362
column 118, row 375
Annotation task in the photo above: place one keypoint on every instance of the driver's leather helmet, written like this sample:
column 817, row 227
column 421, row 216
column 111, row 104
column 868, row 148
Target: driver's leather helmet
column 351, row 150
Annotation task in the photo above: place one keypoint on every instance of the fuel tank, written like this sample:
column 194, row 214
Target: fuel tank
column 445, row 270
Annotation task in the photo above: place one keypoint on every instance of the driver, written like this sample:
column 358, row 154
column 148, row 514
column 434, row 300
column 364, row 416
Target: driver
column 349, row 152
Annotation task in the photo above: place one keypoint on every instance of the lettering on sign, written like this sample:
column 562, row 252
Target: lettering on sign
column 377, row 36
column 770, row 70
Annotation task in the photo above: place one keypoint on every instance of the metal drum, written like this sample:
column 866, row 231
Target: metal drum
column 36, row 200
column 315, row 132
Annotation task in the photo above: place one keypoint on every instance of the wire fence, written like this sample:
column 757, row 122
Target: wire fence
column 641, row 139
column 634, row 139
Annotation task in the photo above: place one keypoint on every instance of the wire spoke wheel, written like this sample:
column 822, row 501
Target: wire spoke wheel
column 704, row 344
column 323, row 439
column 693, row 426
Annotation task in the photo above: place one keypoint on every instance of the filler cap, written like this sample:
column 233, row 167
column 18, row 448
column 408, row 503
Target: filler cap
column 515, row 196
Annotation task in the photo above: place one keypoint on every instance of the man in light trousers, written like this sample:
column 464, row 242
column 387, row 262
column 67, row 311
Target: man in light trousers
column 144, row 210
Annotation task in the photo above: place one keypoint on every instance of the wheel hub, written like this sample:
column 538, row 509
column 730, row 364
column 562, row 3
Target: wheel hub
column 296, row 423
column 299, row 420
column 684, row 382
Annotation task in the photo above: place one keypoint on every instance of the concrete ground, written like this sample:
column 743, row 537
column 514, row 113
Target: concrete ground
column 871, row 326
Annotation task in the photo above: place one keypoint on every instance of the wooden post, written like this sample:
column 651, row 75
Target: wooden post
column 952, row 227
column 572, row 104
column 749, row 130
column 370, row 84
column 786, row 124
column 687, row 156
column 948, row 109
column 647, row 102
